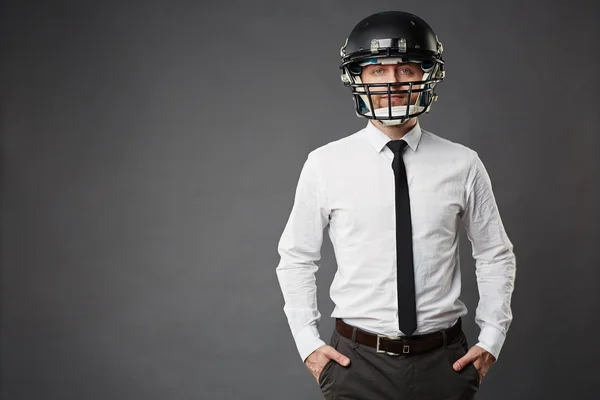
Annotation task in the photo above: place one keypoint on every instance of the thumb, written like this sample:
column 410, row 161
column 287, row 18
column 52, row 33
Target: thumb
column 339, row 357
column 464, row 361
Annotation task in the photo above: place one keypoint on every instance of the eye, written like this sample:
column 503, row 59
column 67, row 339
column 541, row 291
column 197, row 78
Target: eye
column 378, row 71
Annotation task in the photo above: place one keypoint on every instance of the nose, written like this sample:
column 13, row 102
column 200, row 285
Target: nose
column 399, row 82
column 398, row 86
column 393, row 77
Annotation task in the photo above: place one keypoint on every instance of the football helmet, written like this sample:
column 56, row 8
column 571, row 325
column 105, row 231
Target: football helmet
column 387, row 38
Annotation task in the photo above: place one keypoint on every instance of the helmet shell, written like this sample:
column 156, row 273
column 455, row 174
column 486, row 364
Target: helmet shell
column 392, row 34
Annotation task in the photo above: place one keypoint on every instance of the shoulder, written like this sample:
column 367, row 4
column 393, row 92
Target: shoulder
column 447, row 148
column 338, row 148
column 462, row 160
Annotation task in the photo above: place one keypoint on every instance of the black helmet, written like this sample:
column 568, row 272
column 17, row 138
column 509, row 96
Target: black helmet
column 392, row 37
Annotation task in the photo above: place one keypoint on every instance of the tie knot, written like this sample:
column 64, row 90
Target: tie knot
column 397, row 145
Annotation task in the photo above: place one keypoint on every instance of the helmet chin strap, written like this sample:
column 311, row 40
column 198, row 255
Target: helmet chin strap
column 396, row 111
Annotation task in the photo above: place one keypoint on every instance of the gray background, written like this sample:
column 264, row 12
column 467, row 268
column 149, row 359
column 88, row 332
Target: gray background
column 150, row 153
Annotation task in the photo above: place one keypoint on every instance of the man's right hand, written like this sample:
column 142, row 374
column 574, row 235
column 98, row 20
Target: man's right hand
column 316, row 361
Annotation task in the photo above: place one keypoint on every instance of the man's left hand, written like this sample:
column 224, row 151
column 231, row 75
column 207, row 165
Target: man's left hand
column 481, row 359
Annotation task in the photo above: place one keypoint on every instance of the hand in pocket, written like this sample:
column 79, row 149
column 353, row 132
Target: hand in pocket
column 317, row 360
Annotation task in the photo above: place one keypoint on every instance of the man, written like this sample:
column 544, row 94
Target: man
column 391, row 196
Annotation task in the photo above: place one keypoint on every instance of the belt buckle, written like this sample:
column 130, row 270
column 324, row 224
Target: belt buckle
column 405, row 348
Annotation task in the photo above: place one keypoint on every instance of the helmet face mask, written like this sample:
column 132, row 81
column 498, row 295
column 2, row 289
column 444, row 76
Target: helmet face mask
column 391, row 38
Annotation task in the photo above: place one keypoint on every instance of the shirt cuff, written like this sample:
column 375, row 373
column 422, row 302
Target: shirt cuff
column 491, row 339
column 307, row 340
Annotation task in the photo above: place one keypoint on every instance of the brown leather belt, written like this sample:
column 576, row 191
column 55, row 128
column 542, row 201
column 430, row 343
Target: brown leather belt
column 400, row 345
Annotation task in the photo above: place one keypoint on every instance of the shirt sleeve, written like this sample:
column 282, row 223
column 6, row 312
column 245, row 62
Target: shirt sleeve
column 494, row 259
column 300, row 251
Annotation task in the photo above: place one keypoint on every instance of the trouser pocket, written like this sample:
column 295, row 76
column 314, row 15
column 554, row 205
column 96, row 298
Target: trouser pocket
column 469, row 373
column 325, row 383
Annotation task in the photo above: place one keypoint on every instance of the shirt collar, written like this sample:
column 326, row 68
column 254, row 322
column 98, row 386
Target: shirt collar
column 379, row 140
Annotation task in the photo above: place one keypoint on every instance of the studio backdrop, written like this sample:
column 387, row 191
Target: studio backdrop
column 150, row 154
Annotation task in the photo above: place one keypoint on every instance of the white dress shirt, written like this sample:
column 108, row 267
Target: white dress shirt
column 347, row 187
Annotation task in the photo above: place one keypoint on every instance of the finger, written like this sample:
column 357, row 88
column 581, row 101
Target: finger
column 482, row 375
column 465, row 360
column 338, row 357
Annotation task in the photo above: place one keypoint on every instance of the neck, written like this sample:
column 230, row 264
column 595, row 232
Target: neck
column 395, row 132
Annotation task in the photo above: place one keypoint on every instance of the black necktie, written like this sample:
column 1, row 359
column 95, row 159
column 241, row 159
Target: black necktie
column 407, row 315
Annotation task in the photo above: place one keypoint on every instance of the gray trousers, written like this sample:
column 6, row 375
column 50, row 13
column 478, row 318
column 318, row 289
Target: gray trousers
column 377, row 376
